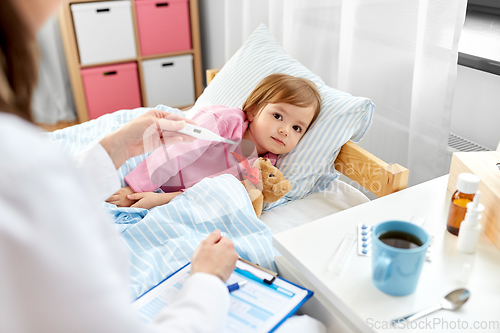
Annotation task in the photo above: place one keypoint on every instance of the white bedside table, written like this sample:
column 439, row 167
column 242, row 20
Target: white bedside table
column 350, row 302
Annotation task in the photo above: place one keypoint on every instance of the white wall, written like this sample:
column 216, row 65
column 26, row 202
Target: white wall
column 476, row 107
column 212, row 31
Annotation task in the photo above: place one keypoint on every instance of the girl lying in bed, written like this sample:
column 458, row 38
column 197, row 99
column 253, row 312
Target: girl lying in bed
column 275, row 116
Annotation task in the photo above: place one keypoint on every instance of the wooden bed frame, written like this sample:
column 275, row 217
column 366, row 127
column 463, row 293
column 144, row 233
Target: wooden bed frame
column 364, row 168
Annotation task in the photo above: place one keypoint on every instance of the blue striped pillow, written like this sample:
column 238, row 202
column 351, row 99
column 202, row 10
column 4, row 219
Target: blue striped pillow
column 309, row 167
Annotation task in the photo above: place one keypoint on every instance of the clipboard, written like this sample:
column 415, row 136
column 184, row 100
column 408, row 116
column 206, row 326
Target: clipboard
column 266, row 275
column 262, row 305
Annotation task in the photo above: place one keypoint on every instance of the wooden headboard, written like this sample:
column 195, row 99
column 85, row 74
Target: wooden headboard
column 364, row 168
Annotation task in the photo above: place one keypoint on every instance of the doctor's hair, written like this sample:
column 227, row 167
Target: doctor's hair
column 18, row 62
column 283, row 88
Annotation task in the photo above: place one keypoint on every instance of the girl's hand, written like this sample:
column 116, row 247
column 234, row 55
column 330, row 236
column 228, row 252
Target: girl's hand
column 148, row 200
column 120, row 197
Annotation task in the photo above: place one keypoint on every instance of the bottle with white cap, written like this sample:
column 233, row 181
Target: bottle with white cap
column 470, row 228
column 467, row 185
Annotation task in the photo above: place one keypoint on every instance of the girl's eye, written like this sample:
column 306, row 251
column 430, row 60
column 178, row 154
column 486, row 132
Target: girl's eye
column 278, row 116
column 297, row 129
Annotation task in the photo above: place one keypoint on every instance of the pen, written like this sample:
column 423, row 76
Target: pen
column 236, row 286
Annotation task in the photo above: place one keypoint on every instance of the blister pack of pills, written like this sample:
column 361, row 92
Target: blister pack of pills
column 365, row 239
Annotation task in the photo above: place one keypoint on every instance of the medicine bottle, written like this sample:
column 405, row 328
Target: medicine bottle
column 470, row 227
column 467, row 185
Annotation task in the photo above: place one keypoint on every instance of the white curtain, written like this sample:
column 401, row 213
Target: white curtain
column 53, row 97
column 402, row 54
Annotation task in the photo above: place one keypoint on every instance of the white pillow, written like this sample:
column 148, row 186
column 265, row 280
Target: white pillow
column 309, row 167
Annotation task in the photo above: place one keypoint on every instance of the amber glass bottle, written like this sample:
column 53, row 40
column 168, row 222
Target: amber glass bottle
column 467, row 185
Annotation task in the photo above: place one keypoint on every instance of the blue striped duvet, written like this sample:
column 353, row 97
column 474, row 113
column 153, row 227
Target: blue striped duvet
column 163, row 239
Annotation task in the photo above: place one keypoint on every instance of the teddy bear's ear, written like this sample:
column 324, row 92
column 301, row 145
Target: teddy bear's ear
column 268, row 167
column 257, row 163
column 265, row 163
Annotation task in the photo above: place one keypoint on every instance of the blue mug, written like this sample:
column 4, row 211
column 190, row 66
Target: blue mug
column 396, row 270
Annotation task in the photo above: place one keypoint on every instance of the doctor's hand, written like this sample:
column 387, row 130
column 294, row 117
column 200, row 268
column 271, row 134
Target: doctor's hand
column 215, row 255
column 145, row 133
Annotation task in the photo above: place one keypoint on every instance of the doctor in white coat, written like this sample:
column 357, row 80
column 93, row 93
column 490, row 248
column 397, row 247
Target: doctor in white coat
column 63, row 266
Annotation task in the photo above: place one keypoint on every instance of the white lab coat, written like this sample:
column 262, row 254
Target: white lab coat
column 63, row 266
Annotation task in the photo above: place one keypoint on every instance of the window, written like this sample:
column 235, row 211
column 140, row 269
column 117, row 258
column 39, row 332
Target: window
column 479, row 45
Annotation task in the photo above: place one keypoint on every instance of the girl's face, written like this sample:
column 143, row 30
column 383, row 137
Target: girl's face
column 278, row 127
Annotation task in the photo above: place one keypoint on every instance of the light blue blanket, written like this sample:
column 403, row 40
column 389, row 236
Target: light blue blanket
column 163, row 239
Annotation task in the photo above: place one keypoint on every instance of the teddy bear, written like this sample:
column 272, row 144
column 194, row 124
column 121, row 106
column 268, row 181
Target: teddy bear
column 267, row 186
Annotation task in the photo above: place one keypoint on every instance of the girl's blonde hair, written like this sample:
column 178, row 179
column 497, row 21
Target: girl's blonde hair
column 283, row 88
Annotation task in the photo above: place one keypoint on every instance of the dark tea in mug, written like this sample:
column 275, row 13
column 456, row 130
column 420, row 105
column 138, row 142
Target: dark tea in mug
column 400, row 239
column 398, row 254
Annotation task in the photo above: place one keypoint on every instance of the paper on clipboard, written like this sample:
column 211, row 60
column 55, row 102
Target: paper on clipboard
column 256, row 307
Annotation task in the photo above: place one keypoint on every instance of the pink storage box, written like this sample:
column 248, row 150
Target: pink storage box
column 163, row 26
column 111, row 88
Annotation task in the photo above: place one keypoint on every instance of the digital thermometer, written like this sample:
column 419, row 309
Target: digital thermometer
column 203, row 134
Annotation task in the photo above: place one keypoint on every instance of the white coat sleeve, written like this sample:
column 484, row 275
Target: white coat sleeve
column 99, row 168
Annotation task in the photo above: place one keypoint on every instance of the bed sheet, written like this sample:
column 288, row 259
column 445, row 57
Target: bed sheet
column 163, row 239
column 337, row 197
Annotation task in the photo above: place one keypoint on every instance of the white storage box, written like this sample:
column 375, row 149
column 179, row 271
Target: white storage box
column 104, row 31
column 169, row 81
